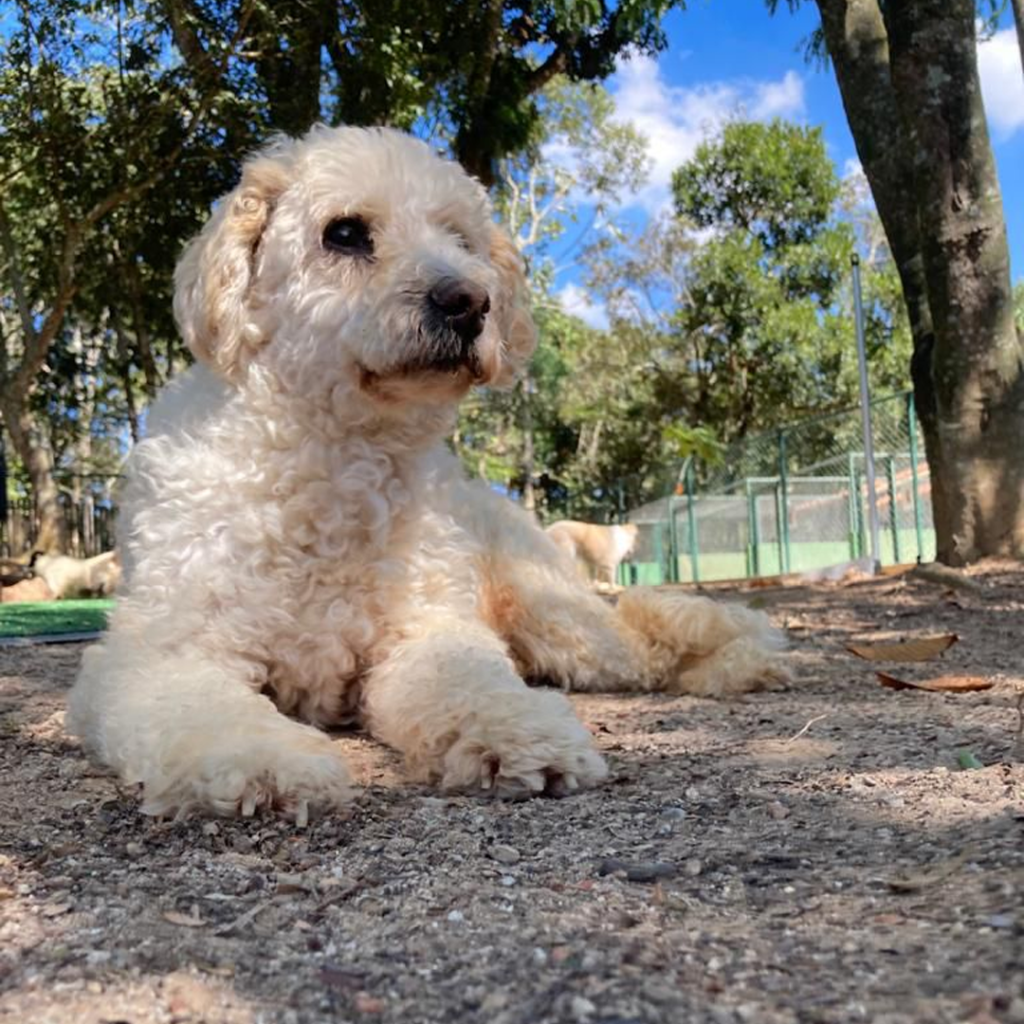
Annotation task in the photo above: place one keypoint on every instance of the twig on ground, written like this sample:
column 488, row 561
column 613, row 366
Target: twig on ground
column 936, row 873
column 796, row 736
column 945, row 576
column 243, row 919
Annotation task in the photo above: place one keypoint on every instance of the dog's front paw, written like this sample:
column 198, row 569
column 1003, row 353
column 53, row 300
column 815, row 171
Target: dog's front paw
column 288, row 770
column 525, row 745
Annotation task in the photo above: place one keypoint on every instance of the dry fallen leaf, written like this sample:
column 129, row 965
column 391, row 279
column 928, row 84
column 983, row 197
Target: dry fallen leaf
column 941, row 684
column 920, row 649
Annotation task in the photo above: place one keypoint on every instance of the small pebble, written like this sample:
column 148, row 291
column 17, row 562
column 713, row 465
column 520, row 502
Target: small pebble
column 693, row 867
column 505, row 854
column 455, row 916
column 540, row 956
column 582, row 1008
column 210, row 828
column 508, row 880
column 778, row 810
column 365, row 1003
column 133, row 849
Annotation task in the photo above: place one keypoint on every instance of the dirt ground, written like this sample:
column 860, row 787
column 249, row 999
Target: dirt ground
column 813, row 855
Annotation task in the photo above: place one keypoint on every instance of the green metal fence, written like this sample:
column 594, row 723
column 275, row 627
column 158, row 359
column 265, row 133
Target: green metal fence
column 792, row 500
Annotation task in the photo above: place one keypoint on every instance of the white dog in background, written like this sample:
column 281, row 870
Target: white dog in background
column 67, row 576
column 601, row 548
column 300, row 549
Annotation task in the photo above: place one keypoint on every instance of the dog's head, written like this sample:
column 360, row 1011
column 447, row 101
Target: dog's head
column 356, row 258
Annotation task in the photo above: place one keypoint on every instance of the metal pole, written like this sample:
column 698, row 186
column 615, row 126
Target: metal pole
column 691, row 522
column 673, row 543
column 754, row 528
column 854, row 503
column 782, row 505
column 894, row 519
column 865, row 417
column 912, row 428
column 659, row 549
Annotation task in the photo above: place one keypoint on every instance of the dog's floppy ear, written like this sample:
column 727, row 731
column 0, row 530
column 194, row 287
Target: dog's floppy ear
column 214, row 275
column 511, row 309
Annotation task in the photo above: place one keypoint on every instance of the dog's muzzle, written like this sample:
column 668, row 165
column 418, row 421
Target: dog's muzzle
column 455, row 315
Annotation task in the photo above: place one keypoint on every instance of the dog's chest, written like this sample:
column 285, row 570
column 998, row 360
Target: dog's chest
column 319, row 645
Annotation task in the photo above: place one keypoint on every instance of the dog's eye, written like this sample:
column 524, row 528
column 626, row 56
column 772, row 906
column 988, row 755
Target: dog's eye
column 461, row 238
column 348, row 235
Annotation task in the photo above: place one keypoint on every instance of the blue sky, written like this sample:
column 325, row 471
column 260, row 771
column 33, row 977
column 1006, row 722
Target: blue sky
column 725, row 58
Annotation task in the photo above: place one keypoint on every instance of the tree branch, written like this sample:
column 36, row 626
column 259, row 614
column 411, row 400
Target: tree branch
column 17, row 280
column 555, row 64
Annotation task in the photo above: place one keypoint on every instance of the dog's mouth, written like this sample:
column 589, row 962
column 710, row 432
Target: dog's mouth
column 453, row 365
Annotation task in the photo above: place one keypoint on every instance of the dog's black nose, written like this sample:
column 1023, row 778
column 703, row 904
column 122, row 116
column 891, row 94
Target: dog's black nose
column 464, row 306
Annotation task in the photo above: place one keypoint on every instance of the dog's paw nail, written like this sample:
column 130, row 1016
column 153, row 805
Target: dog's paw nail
column 302, row 814
column 248, row 805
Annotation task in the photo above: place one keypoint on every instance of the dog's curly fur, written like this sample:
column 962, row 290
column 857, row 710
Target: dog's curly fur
column 300, row 550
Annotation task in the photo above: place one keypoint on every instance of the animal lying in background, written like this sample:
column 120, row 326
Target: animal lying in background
column 601, row 548
column 13, row 573
column 67, row 576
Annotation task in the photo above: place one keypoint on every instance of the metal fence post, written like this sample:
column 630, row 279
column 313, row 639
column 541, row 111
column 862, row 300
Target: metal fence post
column 851, row 509
column 856, row 512
column 782, row 505
column 691, row 522
column 659, row 545
column 673, row 542
column 912, row 428
column 754, row 532
column 865, row 413
column 894, row 522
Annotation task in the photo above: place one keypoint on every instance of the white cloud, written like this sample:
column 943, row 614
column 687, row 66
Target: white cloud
column 852, row 168
column 676, row 119
column 1002, row 82
column 778, row 99
column 574, row 300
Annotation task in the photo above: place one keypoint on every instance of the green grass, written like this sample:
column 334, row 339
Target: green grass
column 47, row 618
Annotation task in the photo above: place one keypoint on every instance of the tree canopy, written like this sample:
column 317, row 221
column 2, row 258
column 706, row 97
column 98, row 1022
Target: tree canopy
column 121, row 123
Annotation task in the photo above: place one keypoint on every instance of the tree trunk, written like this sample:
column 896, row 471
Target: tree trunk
column 1018, row 17
column 33, row 448
column 976, row 371
column 858, row 45
column 923, row 135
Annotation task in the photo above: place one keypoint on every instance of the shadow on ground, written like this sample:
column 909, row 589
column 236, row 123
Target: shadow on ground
column 817, row 857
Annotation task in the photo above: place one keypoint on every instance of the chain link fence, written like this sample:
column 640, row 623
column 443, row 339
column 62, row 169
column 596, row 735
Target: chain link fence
column 792, row 500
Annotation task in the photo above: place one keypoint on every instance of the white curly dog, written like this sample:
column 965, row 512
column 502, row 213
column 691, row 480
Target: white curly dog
column 300, row 549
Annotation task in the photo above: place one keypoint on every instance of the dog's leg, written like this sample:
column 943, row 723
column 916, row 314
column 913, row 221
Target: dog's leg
column 695, row 645
column 449, row 698
column 650, row 640
column 556, row 628
column 195, row 734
